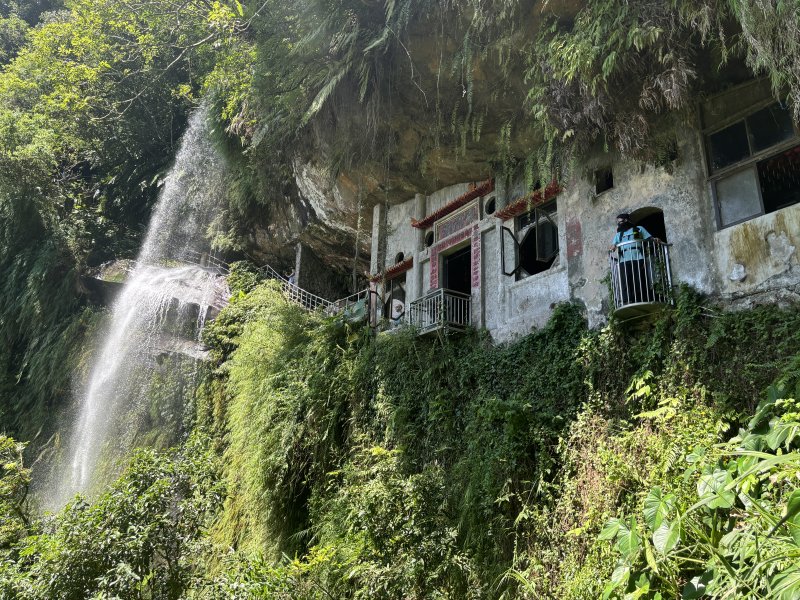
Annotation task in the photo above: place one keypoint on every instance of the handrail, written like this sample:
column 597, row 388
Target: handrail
column 206, row 260
column 441, row 309
column 640, row 273
column 295, row 293
column 306, row 299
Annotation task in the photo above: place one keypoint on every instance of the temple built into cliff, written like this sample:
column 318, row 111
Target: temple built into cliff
column 723, row 212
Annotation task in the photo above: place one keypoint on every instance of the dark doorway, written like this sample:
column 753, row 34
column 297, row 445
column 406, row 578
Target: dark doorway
column 652, row 219
column 458, row 271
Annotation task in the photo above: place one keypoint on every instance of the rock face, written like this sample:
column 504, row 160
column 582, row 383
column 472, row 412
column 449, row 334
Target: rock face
column 428, row 130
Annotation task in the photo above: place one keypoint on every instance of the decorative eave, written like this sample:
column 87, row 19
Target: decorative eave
column 393, row 271
column 524, row 204
column 487, row 187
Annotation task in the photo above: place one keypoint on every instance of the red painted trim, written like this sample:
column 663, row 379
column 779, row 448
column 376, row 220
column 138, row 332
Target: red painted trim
column 393, row 271
column 487, row 187
column 524, row 204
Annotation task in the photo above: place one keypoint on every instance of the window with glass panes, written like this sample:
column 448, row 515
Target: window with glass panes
column 754, row 162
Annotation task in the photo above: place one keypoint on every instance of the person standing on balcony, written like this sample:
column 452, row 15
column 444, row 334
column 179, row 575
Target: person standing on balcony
column 633, row 281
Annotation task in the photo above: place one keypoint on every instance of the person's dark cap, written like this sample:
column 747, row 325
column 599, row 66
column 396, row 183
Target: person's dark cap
column 625, row 216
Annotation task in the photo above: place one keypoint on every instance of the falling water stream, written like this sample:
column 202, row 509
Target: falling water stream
column 159, row 311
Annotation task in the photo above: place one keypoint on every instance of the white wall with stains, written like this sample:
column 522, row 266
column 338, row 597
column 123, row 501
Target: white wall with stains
column 754, row 261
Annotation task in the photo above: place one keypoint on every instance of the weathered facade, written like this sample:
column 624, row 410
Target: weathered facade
column 727, row 204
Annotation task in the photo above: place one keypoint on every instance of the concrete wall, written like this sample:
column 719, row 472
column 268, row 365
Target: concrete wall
column 757, row 260
column 679, row 190
column 753, row 261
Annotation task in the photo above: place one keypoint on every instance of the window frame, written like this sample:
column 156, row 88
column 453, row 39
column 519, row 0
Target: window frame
column 749, row 163
column 521, row 233
column 389, row 295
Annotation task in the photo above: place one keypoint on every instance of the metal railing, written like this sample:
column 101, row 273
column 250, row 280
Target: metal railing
column 207, row 261
column 441, row 309
column 296, row 294
column 640, row 274
column 355, row 305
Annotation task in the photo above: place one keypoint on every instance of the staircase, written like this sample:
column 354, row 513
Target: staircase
column 352, row 305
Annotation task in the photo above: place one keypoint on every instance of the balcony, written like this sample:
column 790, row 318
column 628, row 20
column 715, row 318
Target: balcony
column 641, row 280
column 440, row 309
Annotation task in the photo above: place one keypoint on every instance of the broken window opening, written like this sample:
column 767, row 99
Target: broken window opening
column 652, row 219
column 535, row 243
column 603, row 180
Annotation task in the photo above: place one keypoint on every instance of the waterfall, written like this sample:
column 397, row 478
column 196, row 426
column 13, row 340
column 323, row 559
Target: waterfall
column 160, row 311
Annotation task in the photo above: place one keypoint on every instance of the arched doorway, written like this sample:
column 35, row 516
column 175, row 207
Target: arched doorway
column 652, row 219
column 641, row 278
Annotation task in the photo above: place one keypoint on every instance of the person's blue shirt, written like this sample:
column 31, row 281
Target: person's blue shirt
column 629, row 251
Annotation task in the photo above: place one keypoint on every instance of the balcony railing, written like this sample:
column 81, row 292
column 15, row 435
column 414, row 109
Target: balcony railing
column 441, row 309
column 641, row 280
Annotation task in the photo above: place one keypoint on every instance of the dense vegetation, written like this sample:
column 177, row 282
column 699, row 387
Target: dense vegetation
column 331, row 464
column 325, row 463
column 94, row 95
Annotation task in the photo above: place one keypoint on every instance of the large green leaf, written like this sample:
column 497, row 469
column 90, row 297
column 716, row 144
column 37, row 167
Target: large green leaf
column 782, row 433
column 610, row 530
column 666, row 537
column 794, row 528
column 628, row 539
column 696, row 587
column 657, row 507
column 786, row 585
column 712, row 489
column 619, row 578
column 792, row 505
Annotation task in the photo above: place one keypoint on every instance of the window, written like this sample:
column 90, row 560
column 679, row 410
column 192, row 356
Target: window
column 754, row 164
column 394, row 300
column 535, row 242
column 603, row 180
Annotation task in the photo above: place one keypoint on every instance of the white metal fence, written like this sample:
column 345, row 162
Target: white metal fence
column 441, row 309
column 207, row 261
column 355, row 305
column 640, row 273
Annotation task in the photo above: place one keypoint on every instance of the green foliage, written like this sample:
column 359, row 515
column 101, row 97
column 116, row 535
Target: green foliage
column 243, row 278
column 390, row 533
column 14, row 482
column 541, row 442
column 569, row 464
column 285, row 417
column 302, row 391
column 381, row 533
column 736, row 534
column 137, row 540
column 42, row 324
